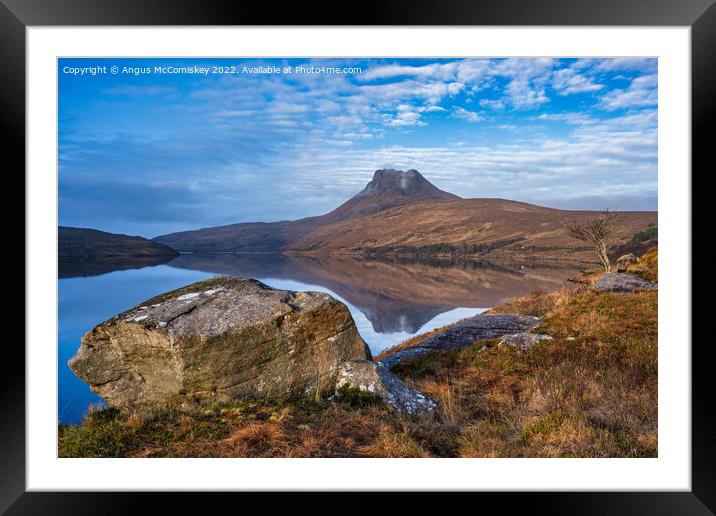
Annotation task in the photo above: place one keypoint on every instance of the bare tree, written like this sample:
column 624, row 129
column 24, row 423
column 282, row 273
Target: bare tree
column 596, row 233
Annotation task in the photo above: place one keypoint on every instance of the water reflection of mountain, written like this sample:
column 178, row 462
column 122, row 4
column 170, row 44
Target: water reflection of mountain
column 81, row 266
column 395, row 295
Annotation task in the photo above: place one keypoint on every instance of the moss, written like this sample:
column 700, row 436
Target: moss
column 419, row 367
column 100, row 435
column 356, row 398
column 216, row 281
column 478, row 347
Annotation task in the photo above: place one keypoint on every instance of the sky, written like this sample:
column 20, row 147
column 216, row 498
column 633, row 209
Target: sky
column 154, row 146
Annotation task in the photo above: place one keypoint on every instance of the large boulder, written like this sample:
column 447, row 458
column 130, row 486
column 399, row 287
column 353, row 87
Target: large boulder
column 220, row 339
column 622, row 283
column 375, row 378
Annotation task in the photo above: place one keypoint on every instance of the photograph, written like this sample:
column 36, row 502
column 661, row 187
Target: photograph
column 347, row 257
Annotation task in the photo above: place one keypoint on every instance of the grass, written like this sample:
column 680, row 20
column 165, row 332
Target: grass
column 589, row 392
column 648, row 265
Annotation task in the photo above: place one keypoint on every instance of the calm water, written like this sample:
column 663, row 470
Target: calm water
column 390, row 301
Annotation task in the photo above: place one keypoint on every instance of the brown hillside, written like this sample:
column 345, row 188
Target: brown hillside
column 468, row 226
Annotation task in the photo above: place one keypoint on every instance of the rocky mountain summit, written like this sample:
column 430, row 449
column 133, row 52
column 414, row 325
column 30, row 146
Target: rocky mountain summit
column 390, row 188
column 218, row 340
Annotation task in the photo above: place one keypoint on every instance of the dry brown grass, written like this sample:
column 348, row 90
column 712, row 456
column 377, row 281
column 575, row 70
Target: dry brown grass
column 540, row 303
column 391, row 444
column 258, row 439
column 593, row 396
column 648, row 265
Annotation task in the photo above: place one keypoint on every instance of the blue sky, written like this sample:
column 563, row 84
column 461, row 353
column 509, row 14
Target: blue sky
column 148, row 153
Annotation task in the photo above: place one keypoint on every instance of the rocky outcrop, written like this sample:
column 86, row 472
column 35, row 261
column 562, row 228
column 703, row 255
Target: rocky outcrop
column 464, row 333
column 624, row 261
column 375, row 378
column 524, row 341
column 622, row 283
column 219, row 339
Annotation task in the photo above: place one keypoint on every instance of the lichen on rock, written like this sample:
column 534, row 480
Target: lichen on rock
column 375, row 378
column 524, row 341
column 622, row 282
column 464, row 334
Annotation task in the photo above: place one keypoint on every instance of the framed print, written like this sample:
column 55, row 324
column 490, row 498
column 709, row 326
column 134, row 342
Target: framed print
column 417, row 250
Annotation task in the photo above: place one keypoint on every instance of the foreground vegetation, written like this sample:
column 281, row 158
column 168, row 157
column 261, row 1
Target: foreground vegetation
column 589, row 392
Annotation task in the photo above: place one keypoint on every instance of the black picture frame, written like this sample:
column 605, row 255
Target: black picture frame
column 700, row 15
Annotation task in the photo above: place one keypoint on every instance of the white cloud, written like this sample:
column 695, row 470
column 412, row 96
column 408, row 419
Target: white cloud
column 407, row 115
column 527, row 80
column 624, row 64
column 492, row 104
column 642, row 92
column 403, row 119
column 523, row 95
column 568, row 81
column 464, row 114
column 435, row 70
column 467, row 70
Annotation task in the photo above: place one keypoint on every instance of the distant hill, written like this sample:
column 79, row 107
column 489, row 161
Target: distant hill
column 88, row 252
column 80, row 242
column 403, row 213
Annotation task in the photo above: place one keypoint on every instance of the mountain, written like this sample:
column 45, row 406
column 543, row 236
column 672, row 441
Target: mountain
column 403, row 213
column 388, row 189
column 86, row 252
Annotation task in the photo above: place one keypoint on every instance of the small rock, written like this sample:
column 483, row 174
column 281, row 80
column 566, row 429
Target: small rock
column 375, row 378
column 624, row 261
column 524, row 341
column 622, row 283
